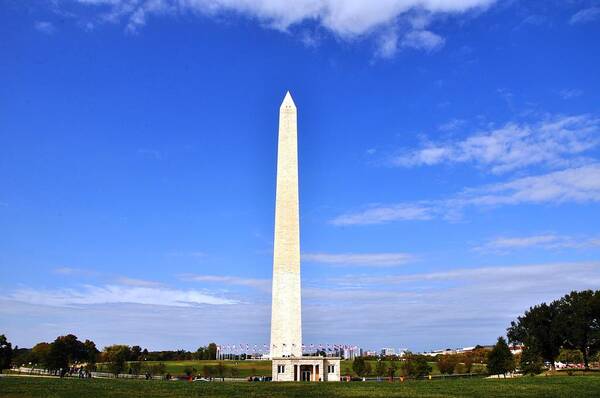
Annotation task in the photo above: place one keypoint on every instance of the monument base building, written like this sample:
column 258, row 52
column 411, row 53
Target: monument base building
column 306, row 369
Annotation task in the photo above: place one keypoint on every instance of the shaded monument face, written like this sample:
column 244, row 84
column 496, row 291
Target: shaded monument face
column 286, row 322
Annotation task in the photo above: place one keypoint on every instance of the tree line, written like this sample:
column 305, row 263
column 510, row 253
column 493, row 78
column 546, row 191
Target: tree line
column 411, row 365
column 68, row 351
column 569, row 323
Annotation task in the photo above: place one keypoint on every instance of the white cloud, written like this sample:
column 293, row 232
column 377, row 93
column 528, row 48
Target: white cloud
column 571, row 93
column 407, row 307
column 586, row 15
column 452, row 125
column 71, row 271
column 388, row 44
column 137, row 282
column 397, row 308
column 45, row 27
column 111, row 294
column 546, row 241
column 423, row 40
column 343, row 17
column 264, row 284
column 378, row 214
column 558, row 141
column 346, row 19
column 369, row 259
column 489, row 277
column 577, row 184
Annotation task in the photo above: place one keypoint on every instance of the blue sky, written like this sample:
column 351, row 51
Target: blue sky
column 449, row 167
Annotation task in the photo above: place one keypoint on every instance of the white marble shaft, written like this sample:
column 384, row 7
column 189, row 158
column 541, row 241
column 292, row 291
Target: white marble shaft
column 286, row 322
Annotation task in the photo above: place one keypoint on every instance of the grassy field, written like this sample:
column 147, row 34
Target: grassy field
column 258, row 368
column 245, row 368
column 552, row 386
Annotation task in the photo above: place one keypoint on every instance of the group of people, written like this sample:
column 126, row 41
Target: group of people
column 73, row 371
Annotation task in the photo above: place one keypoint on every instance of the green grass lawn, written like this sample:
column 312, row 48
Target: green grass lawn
column 245, row 368
column 551, row 386
column 260, row 368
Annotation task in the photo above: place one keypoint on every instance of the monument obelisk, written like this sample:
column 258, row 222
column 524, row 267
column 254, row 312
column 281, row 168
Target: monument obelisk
column 286, row 313
column 287, row 362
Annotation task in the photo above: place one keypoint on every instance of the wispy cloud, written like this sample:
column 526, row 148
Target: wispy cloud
column 585, row 15
column 452, row 125
column 453, row 301
column 378, row 214
column 111, row 294
column 578, row 185
column 193, row 253
column 423, row 40
column 571, row 93
column 387, row 44
column 555, row 142
column 360, row 259
column 489, row 275
column 263, row 284
column 45, row 27
column 395, row 308
column 72, row 271
column 150, row 153
column 123, row 280
column 546, row 241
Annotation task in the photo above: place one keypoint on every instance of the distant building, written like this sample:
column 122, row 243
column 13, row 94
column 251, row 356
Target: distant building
column 351, row 352
column 402, row 352
column 516, row 349
column 386, row 352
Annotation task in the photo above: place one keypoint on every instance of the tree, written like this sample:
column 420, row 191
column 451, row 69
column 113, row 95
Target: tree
column 90, row 353
column 393, row 368
column 359, row 366
column 500, row 359
column 6, row 352
column 417, row 366
column 65, row 350
column 531, row 362
column 468, row 361
column 116, row 356
column 136, row 353
column 380, row 368
column 158, row 369
column 39, row 354
column 220, row 370
column 208, row 371
column 189, row 371
column 135, row 368
column 580, row 321
column 540, row 329
column 212, row 351
column 567, row 356
column 447, row 363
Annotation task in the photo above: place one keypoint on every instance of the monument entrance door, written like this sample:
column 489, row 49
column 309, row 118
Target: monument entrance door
column 305, row 372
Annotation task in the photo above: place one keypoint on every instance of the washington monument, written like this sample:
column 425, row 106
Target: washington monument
column 286, row 322
column 286, row 310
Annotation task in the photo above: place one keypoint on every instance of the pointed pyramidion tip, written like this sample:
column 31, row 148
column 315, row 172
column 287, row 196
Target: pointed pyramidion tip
column 288, row 101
